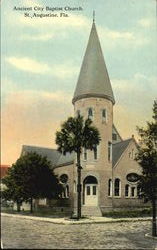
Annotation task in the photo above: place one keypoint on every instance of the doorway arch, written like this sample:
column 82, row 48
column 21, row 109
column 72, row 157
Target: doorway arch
column 90, row 191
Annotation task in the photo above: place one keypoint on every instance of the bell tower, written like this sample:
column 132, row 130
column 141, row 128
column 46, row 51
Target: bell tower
column 93, row 98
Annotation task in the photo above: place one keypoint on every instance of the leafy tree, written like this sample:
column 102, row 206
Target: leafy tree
column 147, row 158
column 31, row 177
column 76, row 134
column 11, row 192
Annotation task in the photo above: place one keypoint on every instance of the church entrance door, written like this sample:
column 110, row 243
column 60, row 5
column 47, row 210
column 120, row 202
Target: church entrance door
column 90, row 193
column 91, row 196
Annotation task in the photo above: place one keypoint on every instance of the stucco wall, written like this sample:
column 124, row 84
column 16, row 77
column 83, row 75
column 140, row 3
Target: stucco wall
column 69, row 171
column 124, row 166
column 100, row 168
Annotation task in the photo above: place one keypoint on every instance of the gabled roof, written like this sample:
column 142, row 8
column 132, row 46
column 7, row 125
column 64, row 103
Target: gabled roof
column 66, row 159
column 56, row 158
column 52, row 154
column 93, row 79
column 118, row 149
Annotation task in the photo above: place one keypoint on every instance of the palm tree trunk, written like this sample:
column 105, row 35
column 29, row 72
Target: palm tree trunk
column 78, row 186
column 154, row 231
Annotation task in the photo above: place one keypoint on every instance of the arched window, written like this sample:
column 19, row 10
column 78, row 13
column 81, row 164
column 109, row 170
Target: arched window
column 67, row 191
column 138, row 191
column 63, row 178
column 95, row 153
column 74, row 186
column 64, row 193
column 109, row 187
column 104, row 115
column 117, row 187
column 132, row 191
column 85, row 154
column 126, row 190
column 109, row 151
column 132, row 152
column 90, row 113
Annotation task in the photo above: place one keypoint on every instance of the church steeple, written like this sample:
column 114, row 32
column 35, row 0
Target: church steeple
column 93, row 79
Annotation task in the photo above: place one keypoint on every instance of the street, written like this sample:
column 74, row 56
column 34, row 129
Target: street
column 19, row 233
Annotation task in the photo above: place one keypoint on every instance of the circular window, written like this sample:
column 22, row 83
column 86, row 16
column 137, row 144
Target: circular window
column 132, row 177
column 64, row 178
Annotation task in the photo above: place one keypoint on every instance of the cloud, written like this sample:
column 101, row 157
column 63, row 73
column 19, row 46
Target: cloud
column 113, row 38
column 45, row 23
column 73, row 21
column 38, row 37
column 139, row 83
column 32, row 117
column 118, row 35
column 65, row 70
column 30, row 97
column 30, row 65
column 62, row 26
column 145, row 22
column 48, row 27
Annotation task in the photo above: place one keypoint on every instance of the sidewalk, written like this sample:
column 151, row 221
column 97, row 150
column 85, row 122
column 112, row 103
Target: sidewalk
column 68, row 221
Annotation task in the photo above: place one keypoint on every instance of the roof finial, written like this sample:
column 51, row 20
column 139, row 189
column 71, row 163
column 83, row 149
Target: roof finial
column 93, row 16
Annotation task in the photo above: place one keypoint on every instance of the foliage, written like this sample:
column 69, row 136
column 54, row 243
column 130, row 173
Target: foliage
column 75, row 134
column 147, row 158
column 128, row 213
column 31, row 177
column 12, row 191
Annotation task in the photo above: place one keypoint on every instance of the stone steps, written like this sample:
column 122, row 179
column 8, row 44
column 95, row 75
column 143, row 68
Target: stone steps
column 91, row 211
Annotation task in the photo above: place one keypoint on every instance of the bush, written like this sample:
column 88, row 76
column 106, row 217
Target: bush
column 128, row 213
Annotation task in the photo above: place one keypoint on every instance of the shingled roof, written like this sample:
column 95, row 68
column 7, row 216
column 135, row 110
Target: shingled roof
column 52, row 154
column 66, row 159
column 118, row 149
column 93, row 79
column 56, row 158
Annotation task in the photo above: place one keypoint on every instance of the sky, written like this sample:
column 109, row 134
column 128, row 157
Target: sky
column 42, row 56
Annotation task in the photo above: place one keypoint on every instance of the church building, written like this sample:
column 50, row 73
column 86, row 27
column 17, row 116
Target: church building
column 110, row 173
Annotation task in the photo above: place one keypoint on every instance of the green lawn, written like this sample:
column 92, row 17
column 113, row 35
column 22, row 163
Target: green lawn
column 129, row 213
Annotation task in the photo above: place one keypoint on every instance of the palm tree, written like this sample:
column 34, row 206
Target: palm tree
column 76, row 134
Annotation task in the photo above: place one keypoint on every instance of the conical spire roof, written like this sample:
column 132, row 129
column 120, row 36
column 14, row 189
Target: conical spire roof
column 93, row 79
